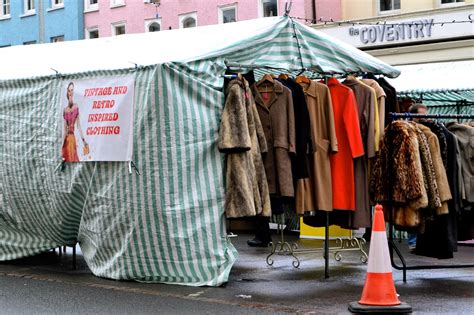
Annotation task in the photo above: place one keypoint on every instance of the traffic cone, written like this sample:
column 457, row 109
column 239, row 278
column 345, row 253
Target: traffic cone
column 379, row 294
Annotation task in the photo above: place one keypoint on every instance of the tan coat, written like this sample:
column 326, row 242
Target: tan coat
column 278, row 122
column 440, row 171
column 241, row 138
column 315, row 192
column 381, row 96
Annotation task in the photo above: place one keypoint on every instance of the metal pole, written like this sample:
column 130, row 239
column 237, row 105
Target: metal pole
column 41, row 32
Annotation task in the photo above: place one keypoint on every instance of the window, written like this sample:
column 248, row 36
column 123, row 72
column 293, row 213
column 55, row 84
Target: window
column 228, row 14
column 92, row 33
column 117, row 3
column 29, row 7
column 268, row 8
column 389, row 5
column 31, row 42
column 91, row 5
column 118, row 28
column 188, row 20
column 57, row 4
column 57, row 39
column 450, row 1
column 4, row 9
column 153, row 25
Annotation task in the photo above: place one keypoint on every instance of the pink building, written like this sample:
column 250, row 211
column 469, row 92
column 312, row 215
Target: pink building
column 104, row 18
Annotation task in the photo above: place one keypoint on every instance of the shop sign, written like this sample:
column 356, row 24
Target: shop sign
column 388, row 32
column 96, row 119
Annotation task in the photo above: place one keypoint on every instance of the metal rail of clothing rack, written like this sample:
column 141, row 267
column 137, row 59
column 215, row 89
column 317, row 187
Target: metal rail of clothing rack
column 391, row 242
column 343, row 244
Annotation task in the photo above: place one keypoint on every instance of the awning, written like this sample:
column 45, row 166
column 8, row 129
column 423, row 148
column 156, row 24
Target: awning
column 445, row 87
column 435, row 77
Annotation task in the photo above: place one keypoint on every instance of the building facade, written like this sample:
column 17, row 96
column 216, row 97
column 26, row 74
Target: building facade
column 114, row 17
column 40, row 21
column 402, row 32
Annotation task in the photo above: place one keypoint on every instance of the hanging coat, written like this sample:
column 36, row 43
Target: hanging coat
column 440, row 171
column 278, row 122
column 465, row 136
column 349, row 145
column 397, row 174
column 391, row 101
column 241, row 137
column 381, row 96
column 302, row 131
column 315, row 192
column 366, row 110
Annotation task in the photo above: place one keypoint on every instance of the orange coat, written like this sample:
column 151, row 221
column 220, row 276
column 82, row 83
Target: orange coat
column 349, row 142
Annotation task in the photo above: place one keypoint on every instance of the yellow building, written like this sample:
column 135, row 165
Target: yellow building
column 363, row 9
column 408, row 31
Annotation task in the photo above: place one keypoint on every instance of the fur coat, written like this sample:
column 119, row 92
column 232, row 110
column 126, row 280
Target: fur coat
column 242, row 138
column 397, row 175
column 440, row 171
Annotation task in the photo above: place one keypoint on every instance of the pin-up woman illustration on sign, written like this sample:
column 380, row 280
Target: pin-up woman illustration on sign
column 71, row 119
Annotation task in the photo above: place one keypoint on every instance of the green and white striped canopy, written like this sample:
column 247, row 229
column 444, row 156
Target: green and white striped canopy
column 167, row 224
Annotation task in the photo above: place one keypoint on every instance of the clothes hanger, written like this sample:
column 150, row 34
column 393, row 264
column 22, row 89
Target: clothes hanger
column 267, row 78
column 302, row 79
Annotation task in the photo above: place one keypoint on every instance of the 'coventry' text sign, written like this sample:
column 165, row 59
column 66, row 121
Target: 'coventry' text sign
column 393, row 32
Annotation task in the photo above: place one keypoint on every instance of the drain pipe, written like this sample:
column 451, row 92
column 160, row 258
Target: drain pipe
column 314, row 11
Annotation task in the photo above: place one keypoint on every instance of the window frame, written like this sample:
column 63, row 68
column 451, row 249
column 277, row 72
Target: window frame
column 55, row 37
column 92, row 29
column 55, row 5
column 27, row 11
column 88, row 7
column 222, row 8
column 451, row 4
column 117, row 5
column 5, row 4
column 184, row 17
column 148, row 23
column 261, row 13
column 118, row 24
column 392, row 11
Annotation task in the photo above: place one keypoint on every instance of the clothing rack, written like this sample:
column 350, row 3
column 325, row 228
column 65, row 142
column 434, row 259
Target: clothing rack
column 392, row 246
column 282, row 247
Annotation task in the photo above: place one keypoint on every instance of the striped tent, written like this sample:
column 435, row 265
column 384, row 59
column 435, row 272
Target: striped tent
column 167, row 224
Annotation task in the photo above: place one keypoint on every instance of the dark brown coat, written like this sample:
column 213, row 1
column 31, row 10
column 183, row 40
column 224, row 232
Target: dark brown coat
column 241, row 137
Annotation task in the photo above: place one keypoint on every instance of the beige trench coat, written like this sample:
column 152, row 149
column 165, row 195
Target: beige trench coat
column 315, row 192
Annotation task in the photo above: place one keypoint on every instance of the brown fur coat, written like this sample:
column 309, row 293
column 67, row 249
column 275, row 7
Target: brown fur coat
column 241, row 137
column 398, row 174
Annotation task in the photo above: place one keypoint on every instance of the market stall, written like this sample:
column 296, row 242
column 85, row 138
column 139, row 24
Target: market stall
column 156, row 214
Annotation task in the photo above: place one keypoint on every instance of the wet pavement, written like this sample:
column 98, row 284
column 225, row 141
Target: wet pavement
column 47, row 284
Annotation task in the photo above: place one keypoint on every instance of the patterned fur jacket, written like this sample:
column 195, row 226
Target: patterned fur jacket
column 411, row 158
column 398, row 174
column 241, row 137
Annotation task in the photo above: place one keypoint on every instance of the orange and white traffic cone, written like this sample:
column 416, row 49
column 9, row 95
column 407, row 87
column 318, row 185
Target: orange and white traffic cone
column 379, row 293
